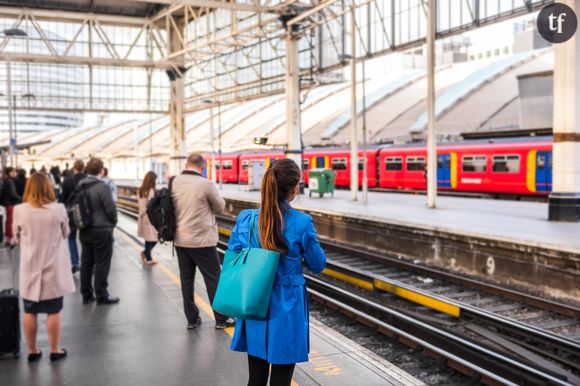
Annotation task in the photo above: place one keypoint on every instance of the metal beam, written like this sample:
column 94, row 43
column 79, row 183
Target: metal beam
column 65, row 16
column 211, row 4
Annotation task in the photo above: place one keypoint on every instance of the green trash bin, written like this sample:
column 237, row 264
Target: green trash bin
column 321, row 181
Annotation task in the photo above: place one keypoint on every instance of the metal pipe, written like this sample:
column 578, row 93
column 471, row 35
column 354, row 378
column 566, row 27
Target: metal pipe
column 212, row 143
column 220, row 145
column 10, row 123
column 354, row 136
column 431, row 139
column 15, row 132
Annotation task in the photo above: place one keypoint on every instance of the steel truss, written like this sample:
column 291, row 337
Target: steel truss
column 233, row 50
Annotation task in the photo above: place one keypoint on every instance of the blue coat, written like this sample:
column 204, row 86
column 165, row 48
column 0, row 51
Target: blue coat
column 283, row 337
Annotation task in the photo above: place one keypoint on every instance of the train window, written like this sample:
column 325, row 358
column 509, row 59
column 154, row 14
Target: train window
column 245, row 164
column 541, row 162
column 217, row 165
column 506, row 163
column 227, row 165
column 415, row 163
column 361, row 164
column 339, row 163
column 394, row 163
column 305, row 164
column 474, row 163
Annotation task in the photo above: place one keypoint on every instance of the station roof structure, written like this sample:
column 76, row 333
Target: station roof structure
column 232, row 50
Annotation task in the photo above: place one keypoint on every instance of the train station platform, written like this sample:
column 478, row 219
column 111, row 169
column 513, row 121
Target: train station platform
column 143, row 340
column 506, row 242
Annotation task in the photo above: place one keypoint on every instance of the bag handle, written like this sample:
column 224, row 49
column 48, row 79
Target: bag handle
column 252, row 231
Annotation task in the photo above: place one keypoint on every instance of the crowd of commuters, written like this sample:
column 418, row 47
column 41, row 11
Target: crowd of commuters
column 49, row 252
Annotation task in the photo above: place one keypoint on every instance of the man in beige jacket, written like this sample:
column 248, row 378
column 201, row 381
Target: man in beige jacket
column 196, row 202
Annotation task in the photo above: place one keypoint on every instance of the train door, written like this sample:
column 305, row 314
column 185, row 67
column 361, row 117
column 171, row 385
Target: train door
column 544, row 171
column 444, row 170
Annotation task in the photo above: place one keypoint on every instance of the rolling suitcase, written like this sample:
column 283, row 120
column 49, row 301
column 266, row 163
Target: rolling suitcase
column 9, row 322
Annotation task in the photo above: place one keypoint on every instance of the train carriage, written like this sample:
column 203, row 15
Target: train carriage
column 339, row 161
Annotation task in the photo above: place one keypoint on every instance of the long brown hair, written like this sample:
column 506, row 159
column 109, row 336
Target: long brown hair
column 147, row 184
column 38, row 191
column 278, row 182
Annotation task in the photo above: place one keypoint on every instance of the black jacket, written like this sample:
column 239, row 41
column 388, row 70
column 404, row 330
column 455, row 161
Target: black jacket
column 9, row 194
column 69, row 185
column 104, row 208
column 20, row 183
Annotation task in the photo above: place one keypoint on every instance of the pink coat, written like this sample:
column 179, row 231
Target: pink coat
column 144, row 228
column 45, row 267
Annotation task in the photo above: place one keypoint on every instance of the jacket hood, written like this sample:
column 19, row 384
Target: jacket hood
column 89, row 179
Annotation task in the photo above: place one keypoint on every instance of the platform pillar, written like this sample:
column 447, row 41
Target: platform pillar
column 431, row 137
column 176, row 105
column 564, row 201
column 353, row 120
column 293, row 120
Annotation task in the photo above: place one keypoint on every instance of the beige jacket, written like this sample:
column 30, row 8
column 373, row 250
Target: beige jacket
column 196, row 202
column 144, row 228
column 44, row 256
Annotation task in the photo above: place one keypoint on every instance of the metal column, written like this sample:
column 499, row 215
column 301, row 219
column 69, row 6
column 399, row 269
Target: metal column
column 354, row 133
column 176, row 106
column 293, row 121
column 10, row 123
column 431, row 139
column 564, row 201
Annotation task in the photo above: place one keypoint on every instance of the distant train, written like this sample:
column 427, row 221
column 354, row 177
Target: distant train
column 501, row 167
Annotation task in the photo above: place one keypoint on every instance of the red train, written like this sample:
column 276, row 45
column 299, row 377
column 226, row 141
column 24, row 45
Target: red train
column 512, row 166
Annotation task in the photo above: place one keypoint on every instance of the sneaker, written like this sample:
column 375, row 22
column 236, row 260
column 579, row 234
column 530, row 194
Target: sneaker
column 229, row 322
column 191, row 326
column 75, row 269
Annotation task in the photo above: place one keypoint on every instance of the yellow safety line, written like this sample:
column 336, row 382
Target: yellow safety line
column 202, row 304
column 348, row 278
column 418, row 298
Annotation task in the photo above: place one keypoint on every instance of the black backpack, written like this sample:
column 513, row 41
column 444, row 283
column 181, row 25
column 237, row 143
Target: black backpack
column 79, row 208
column 162, row 214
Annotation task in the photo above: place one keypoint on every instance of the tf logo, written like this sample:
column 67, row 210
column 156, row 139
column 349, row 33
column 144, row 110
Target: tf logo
column 557, row 23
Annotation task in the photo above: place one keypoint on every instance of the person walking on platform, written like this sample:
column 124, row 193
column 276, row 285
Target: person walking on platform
column 20, row 182
column 41, row 226
column 110, row 183
column 69, row 185
column 196, row 202
column 9, row 198
column 276, row 344
column 144, row 228
column 97, row 239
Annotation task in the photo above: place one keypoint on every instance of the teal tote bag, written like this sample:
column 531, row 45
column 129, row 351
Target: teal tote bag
column 246, row 281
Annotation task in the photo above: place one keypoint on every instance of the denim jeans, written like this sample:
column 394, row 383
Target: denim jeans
column 148, row 248
column 73, row 248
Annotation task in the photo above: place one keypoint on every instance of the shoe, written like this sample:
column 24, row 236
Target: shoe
column 108, row 300
column 191, row 326
column 56, row 356
column 87, row 300
column 229, row 322
column 75, row 269
column 151, row 262
column 143, row 258
column 33, row 357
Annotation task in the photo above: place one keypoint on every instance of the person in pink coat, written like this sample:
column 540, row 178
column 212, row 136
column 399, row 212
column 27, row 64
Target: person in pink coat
column 145, row 230
column 41, row 227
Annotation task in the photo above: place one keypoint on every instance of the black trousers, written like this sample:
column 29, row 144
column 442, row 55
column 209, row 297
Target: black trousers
column 281, row 375
column 207, row 261
column 97, row 251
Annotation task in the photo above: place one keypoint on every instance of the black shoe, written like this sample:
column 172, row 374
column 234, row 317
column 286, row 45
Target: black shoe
column 87, row 300
column 75, row 269
column 229, row 322
column 56, row 356
column 191, row 326
column 108, row 300
column 34, row 356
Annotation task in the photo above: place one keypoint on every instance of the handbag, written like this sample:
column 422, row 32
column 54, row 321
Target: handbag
column 246, row 280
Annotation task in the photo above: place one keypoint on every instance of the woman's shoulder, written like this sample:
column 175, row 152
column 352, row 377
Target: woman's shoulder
column 246, row 215
column 299, row 216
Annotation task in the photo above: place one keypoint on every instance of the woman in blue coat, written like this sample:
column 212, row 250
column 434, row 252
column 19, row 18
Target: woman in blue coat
column 282, row 338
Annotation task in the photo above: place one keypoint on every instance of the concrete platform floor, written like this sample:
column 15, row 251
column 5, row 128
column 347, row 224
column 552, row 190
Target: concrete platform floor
column 143, row 340
column 514, row 221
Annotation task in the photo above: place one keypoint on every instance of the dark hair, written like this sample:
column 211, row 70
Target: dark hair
column 94, row 166
column 106, row 171
column 79, row 166
column 21, row 173
column 32, row 171
column 7, row 172
column 277, row 184
column 196, row 159
column 147, row 184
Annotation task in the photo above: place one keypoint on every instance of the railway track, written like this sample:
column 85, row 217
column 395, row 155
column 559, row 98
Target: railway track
column 503, row 336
